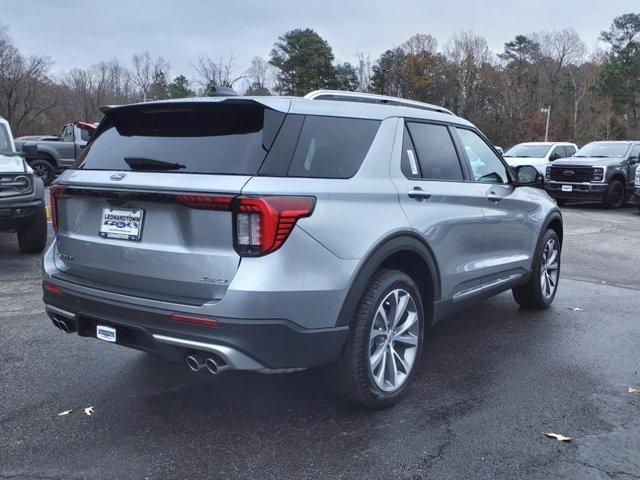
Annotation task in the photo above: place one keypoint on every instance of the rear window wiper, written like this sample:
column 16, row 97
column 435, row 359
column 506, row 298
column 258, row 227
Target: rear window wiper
column 147, row 164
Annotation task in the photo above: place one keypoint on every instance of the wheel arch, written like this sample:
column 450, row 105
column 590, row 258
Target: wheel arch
column 43, row 155
column 554, row 222
column 402, row 251
column 619, row 176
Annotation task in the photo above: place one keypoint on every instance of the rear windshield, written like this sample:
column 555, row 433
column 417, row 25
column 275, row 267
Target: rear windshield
column 221, row 138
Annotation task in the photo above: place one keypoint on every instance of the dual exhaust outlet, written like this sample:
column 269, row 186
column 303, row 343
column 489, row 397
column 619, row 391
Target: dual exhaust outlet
column 198, row 361
column 66, row 325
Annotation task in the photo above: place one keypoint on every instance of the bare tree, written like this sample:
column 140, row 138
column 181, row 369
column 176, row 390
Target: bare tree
column 364, row 72
column 145, row 69
column 101, row 84
column 260, row 77
column 216, row 73
column 26, row 91
column 420, row 44
column 564, row 47
column 468, row 54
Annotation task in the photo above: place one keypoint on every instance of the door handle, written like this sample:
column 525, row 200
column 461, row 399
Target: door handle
column 418, row 193
column 493, row 197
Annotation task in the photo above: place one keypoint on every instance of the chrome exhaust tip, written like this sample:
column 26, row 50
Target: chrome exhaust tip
column 66, row 326
column 212, row 365
column 195, row 362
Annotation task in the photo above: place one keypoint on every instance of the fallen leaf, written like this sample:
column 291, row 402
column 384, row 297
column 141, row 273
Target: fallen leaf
column 66, row 412
column 633, row 390
column 88, row 411
column 576, row 309
column 558, row 437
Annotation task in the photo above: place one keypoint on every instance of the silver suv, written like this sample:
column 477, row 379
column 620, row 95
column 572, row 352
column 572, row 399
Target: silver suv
column 274, row 234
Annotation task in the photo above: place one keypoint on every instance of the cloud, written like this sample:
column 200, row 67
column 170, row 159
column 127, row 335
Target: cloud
column 78, row 33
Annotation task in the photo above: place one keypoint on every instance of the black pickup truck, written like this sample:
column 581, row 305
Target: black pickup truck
column 599, row 171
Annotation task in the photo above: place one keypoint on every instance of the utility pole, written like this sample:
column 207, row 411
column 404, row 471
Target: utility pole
column 546, row 130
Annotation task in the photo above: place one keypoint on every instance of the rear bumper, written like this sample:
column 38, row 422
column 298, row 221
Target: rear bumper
column 18, row 215
column 265, row 345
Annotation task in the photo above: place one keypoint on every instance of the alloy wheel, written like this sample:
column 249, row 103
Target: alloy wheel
column 617, row 195
column 41, row 171
column 550, row 269
column 394, row 338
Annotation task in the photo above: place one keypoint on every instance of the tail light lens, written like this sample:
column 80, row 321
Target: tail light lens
column 55, row 193
column 50, row 288
column 205, row 202
column 262, row 224
column 194, row 320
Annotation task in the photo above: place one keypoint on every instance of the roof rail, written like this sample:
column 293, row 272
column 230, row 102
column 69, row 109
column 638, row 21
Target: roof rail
column 339, row 95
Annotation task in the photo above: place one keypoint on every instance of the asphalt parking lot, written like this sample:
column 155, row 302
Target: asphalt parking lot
column 494, row 380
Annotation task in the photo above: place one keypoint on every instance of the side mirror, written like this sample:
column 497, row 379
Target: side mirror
column 633, row 160
column 554, row 156
column 528, row 176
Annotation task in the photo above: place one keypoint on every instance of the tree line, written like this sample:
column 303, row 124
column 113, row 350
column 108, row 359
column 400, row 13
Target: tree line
column 592, row 95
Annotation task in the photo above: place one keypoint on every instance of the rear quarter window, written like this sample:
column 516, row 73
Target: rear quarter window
column 332, row 147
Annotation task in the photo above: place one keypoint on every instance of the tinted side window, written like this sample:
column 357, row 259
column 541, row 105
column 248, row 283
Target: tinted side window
column 409, row 163
column 635, row 151
column 436, row 153
column 332, row 147
column 84, row 135
column 558, row 152
column 486, row 166
column 570, row 150
column 5, row 144
column 67, row 134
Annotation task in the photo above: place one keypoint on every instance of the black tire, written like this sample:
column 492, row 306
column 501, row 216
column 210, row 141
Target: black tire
column 44, row 169
column 561, row 202
column 33, row 239
column 530, row 294
column 615, row 195
column 350, row 376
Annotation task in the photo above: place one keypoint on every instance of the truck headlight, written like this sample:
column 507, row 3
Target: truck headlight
column 22, row 183
column 598, row 174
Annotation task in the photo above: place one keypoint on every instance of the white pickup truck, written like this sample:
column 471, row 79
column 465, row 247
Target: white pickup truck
column 538, row 154
column 22, row 207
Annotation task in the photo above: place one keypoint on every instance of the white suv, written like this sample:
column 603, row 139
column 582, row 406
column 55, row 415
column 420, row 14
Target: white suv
column 538, row 154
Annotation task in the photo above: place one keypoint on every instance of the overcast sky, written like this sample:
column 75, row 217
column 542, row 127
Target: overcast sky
column 78, row 33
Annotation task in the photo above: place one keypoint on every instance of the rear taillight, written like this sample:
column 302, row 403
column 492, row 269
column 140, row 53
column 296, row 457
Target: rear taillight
column 205, row 202
column 194, row 320
column 262, row 224
column 55, row 193
column 50, row 288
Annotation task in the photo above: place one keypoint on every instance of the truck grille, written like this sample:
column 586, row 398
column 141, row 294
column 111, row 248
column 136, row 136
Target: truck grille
column 11, row 185
column 571, row 174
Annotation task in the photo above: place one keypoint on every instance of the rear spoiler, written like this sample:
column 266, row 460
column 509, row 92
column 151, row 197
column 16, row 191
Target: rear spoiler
column 280, row 104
